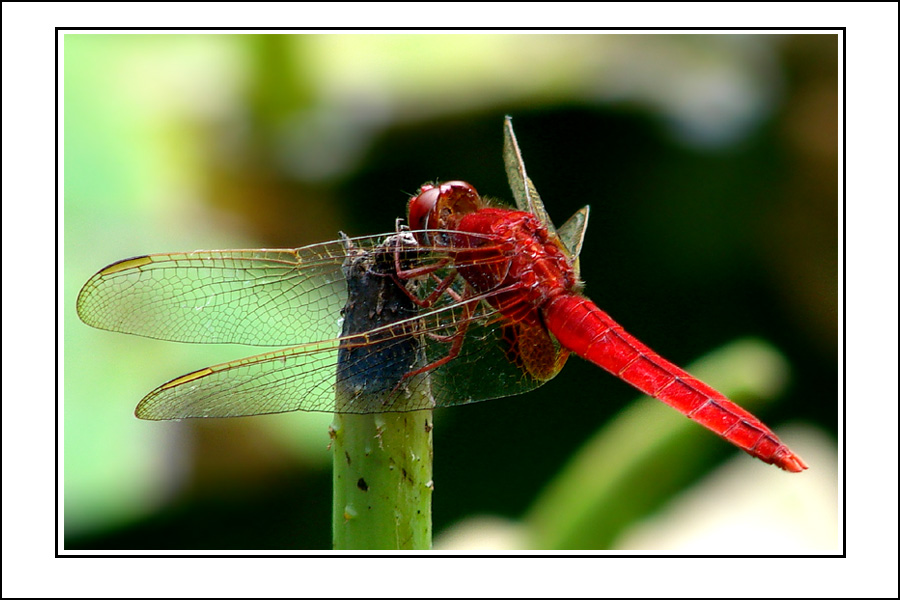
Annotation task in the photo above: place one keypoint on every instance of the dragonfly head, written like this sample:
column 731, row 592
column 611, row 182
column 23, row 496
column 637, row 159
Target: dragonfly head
column 441, row 206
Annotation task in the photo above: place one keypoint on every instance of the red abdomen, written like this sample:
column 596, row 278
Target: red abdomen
column 527, row 276
column 583, row 328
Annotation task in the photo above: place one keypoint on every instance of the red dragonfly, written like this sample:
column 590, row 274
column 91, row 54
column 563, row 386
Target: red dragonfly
column 498, row 311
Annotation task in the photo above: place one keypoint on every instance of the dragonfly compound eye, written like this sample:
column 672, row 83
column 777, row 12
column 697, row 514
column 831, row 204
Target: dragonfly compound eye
column 457, row 199
column 422, row 206
column 442, row 206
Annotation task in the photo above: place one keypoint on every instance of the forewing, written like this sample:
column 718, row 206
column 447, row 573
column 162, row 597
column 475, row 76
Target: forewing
column 571, row 234
column 524, row 193
column 255, row 297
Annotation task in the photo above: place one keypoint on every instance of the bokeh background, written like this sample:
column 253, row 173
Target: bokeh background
column 711, row 166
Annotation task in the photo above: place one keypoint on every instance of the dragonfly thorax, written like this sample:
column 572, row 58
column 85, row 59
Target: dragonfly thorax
column 524, row 266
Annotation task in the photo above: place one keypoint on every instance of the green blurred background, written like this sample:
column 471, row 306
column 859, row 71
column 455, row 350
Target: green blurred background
column 710, row 163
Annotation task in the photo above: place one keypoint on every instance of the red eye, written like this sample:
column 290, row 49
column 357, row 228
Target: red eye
column 442, row 206
column 421, row 206
column 462, row 195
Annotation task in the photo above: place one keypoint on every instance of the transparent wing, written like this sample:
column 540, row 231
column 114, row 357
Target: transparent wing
column 492, row 362
column 229, row 296
column 572, row 231
column 524, row 193
column 571, row 234
column 254, row 297
column 284, row 297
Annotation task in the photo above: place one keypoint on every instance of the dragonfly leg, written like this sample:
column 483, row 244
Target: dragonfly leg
column 456, row 345
column 455, row 340
column 443, row 286
column 412, row 273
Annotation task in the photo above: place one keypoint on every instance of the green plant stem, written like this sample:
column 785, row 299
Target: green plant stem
column 382, row 460
column 382, row 481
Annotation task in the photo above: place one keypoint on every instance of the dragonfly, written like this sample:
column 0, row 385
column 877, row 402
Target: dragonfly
column 497, row 309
